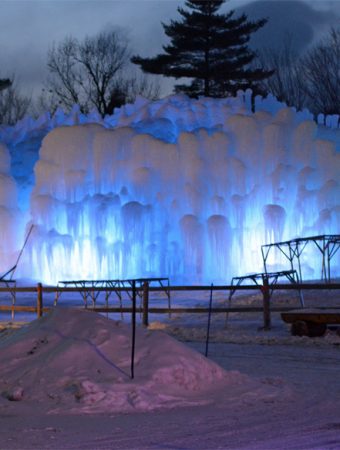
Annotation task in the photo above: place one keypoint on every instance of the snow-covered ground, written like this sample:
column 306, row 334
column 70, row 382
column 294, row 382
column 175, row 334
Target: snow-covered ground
column 65, row 381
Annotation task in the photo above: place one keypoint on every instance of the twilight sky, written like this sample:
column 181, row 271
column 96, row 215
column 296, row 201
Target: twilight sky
column 29, row 27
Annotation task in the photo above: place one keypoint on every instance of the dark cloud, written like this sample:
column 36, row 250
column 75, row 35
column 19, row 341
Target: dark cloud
column 302, row 22
column 29, row 27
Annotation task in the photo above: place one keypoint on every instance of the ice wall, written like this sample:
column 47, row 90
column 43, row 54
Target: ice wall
column 177, row 187
column 183, row 188
column 10, row 217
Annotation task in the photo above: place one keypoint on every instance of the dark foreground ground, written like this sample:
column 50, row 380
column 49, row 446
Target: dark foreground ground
column 305, row 414
column 308, row 417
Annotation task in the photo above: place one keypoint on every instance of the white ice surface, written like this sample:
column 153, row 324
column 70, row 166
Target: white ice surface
column 178, row 187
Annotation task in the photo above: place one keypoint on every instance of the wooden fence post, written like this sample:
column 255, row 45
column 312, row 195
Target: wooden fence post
column 39, row 300
column 145, row 303
column 266, row 304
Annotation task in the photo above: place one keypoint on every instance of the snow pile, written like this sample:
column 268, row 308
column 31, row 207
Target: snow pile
column 77, row 362
column 177, row 187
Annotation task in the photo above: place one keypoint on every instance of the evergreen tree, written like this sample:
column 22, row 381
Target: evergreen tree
column 5, row 83
column 209, row 48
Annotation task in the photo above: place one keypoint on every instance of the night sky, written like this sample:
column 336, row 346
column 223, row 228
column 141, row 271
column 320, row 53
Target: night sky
column 29, row 27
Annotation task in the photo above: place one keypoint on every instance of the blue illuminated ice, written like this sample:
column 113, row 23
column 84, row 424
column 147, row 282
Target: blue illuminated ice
column 188, row 189
column 10, row 216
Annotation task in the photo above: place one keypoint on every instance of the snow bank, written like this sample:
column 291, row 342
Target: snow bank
column 76, row 362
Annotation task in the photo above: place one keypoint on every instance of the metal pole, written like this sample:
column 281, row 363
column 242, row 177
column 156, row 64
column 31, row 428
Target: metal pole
column 21, row 251
column 169, row 297
column 264, row 258
column 266, row 304
column 209, row 320
column 328, row 264
column 145, row 303
column 133, row 322
column 298, row 258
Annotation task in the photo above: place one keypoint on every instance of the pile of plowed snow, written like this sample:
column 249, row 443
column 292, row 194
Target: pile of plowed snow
column 77, row 361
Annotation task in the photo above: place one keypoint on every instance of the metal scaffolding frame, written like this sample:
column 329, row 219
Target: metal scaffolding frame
column 90, row 289
column 267, row 278
column 327, row 244
column 10, row 284
column 164, row 283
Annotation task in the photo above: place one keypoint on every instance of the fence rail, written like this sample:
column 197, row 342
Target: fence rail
column 243, row 287
column 145, row 310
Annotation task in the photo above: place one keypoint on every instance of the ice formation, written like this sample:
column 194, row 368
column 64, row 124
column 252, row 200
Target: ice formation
column 188, row 189
column 10, row 216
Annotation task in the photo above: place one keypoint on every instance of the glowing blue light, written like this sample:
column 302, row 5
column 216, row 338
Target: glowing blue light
column 181, row 188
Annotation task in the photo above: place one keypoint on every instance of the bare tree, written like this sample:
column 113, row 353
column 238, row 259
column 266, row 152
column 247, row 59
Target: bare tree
column 13, row 105
column 65, row 75
column 92, row 74
column 286, row 83
column 127, row 89
column 321, row 71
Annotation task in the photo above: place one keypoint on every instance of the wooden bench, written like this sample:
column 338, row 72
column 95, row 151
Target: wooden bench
column 311, row 322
